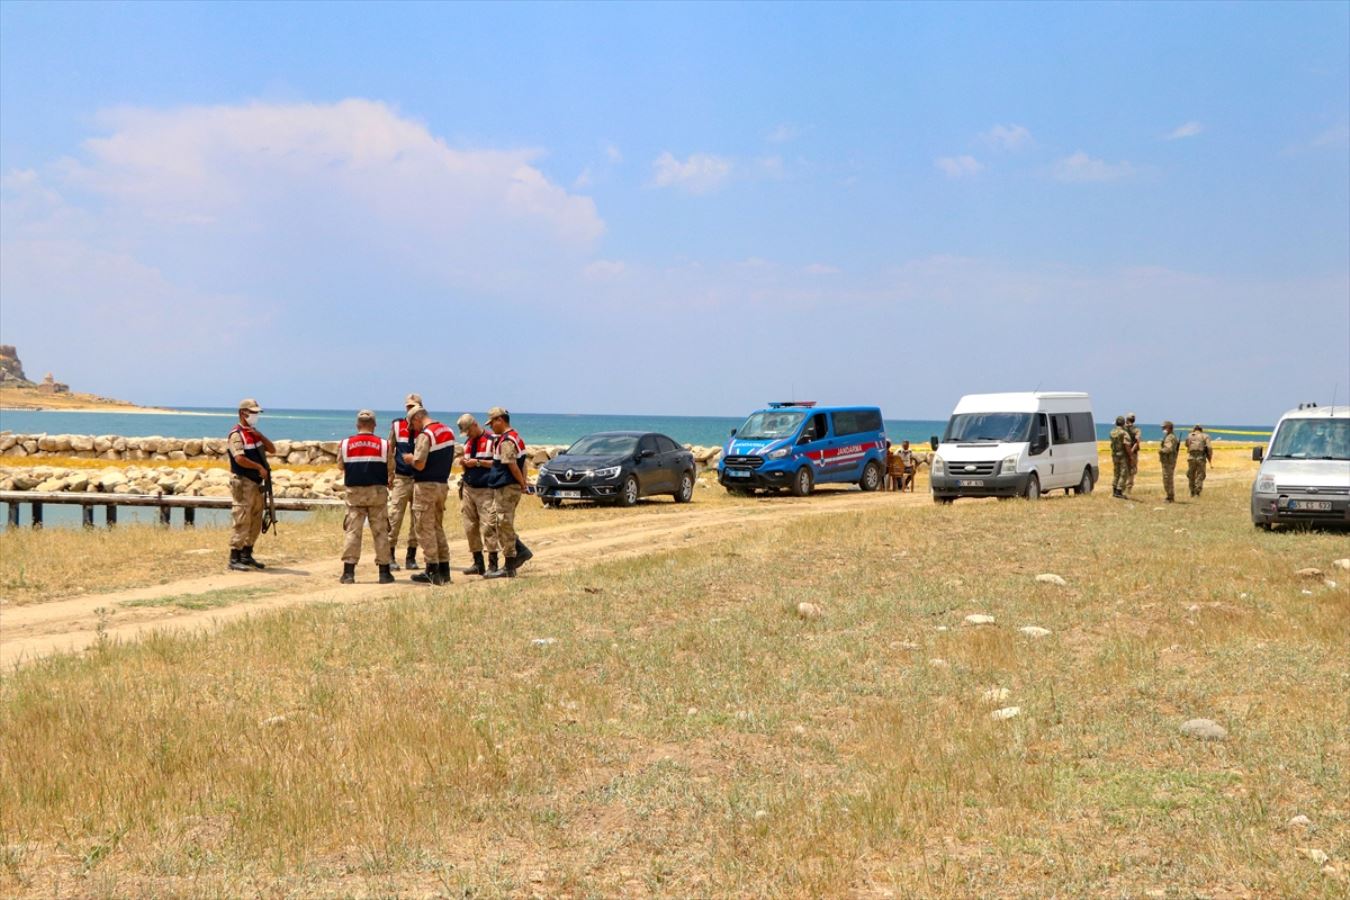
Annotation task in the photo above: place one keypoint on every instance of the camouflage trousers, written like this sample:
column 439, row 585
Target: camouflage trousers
column 400, row 504
column 1195, row 474
column 503, row 527
column 475, row 510
column 366, row 504
column 246, row 512
column 429, row 514
column 1169, row 468
column 1133, row 470
column 1120, row 473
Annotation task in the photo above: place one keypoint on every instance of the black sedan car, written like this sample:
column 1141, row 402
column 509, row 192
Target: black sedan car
column 618, row 467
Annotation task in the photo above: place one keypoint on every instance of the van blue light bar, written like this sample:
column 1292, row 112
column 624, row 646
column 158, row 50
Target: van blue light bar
column 782, row 403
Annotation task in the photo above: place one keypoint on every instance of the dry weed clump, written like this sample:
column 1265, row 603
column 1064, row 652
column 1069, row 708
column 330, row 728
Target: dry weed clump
column 670, row 725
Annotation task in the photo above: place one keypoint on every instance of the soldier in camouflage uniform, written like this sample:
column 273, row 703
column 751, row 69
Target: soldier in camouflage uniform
column 1199, row 454
column 1120, row 458
column 1167, row 457
column 1135, row 436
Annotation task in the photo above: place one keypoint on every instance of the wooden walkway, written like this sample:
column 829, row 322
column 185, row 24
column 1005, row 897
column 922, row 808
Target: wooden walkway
column 165, row 503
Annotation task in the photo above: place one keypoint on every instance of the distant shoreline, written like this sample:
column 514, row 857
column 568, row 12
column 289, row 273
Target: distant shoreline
column 111, row 409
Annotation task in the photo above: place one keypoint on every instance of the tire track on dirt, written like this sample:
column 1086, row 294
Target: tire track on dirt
column 36, row 630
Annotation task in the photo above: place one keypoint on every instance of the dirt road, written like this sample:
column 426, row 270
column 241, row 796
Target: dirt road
column 36, row 630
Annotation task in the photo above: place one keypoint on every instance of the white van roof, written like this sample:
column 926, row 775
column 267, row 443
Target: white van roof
column 1317, row 412
column 1018, row 401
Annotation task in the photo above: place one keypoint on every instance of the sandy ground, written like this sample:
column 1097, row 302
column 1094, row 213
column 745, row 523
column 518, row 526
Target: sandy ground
column 32, row 631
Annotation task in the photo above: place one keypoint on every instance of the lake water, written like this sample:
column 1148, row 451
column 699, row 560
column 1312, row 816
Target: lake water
column 535, row 428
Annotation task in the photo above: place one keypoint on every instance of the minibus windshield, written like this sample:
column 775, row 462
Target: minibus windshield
column 770, row 426
column 1312, row 439
column 1003, row 428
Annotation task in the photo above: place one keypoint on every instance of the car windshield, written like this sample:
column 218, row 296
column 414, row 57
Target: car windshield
column 770, row 426
column 604, row 445
column 1007, row 428
column 1312, row 439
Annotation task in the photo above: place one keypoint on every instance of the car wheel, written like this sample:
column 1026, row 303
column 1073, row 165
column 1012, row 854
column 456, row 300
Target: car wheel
column 871, row 477
column 628, row 494
column 1034, row 488
column 938, row 498
column 802, row 483
column 1085, row 486
column 552, row 502
column 686, row 491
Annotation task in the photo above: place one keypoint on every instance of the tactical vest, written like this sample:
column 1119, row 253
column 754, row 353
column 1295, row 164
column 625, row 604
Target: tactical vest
column 364, row 460
column 1196, row 443
column 499, row 476
column 442, row 455
column 402, row 436
column 253, row 449
column 1168, row 448
column 480, row 448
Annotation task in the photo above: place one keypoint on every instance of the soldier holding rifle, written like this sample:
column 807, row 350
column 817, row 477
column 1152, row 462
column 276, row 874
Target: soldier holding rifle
column 249, row 473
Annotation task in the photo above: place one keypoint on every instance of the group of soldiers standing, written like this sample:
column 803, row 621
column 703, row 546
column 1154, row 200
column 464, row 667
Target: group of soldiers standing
column 1125, row 441
column 404, row 477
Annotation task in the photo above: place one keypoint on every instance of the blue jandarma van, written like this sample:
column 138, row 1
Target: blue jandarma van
column 795, row 445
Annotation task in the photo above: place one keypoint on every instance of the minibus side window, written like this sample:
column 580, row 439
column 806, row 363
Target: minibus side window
column 1059, row 427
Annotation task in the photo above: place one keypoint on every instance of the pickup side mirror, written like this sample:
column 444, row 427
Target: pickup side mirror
column 933, row 442
column 1258, row 453
column 733, row 432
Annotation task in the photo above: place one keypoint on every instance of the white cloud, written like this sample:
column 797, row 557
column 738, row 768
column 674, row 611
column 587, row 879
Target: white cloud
column 1079, row 167
column 783, row 133
column 1336, row 136
column 613, row 154
column 1184, row 130
column 583, row 180
column 698, row 174
column 1007, row 137
column 958, row 166
column 820, row 269
column 604, row 270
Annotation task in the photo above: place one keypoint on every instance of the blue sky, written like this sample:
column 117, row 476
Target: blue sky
column 685, row 209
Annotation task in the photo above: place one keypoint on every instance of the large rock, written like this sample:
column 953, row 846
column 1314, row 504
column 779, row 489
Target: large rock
column 80, row 442
column 76, row 482
column 193, row 447
column 177, row 455
column 26, row 481
column 119, row 444
column 297, row 458
column 109, row 479
column 1204, row 730
column 7, row 441
column 283, row 448
column 51, row 484
column 103, row 443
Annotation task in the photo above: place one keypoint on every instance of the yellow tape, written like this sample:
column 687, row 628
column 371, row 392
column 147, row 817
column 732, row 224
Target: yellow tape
column 1227, row 431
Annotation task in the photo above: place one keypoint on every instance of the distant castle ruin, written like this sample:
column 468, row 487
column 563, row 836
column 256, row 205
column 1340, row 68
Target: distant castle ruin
column 11, row 374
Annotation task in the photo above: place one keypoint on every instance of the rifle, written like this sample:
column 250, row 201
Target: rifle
column 269, row 519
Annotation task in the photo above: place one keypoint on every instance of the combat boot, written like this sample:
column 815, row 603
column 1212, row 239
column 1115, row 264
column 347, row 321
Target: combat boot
column 508, row 572
column 477, row 568
column 430, row 576
column 246, row 557
column 411, row 561
column 348, row 574
column 393, row 557
column 445, row 572
column 492, row 561
column 385, row 576
column 523, row 554
column 236, row 563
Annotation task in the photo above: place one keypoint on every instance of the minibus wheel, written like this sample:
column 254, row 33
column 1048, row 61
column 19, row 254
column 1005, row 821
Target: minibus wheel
column 1034, row 488
column 802, row 482
column 1085, row 486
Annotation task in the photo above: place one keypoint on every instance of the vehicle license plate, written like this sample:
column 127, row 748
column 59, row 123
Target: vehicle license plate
column 974, row 482
column 737, row 473
column 1311, row 505
column 567, row 495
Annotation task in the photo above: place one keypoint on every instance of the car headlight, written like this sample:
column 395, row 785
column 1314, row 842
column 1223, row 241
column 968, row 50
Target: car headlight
column 1008, row 466
column 939, row 466
column 543, row 470
column 779, row 453
column 608, row 472
column 1265, row 484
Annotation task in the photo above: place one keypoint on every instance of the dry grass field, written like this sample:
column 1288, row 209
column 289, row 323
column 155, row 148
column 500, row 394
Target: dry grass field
column 669, row 724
